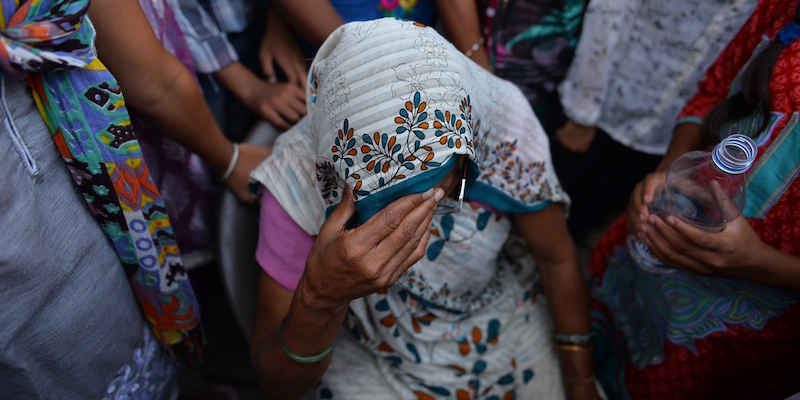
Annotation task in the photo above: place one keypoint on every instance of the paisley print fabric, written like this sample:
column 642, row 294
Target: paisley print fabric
column 679, row 307
column 51, row 44
column 391, row 105
column 690, row 337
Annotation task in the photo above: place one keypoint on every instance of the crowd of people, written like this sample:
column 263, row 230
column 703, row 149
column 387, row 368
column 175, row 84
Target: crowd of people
column 419, row 213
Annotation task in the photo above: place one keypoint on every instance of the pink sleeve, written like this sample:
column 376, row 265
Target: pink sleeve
column 282, row 245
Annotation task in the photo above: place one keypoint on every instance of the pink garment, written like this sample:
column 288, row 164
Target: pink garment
column 283, row 246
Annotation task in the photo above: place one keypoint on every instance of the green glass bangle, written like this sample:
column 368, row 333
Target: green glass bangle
column 298, row 358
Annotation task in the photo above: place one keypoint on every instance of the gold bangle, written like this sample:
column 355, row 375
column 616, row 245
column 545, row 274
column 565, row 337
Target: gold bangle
column 474, row 48
column 574, row 347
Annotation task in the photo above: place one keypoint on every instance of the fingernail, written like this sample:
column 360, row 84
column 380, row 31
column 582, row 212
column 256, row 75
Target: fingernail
column 427, row 195
column 652, row 219
column 439, row 194
column 641, row 217
column 671, row 220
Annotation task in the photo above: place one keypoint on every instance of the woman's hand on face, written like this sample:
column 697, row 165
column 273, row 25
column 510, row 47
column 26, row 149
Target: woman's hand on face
column 727, row 254
column 250, row 156
column 575, row 137
column 346, row 264
column 641, row 196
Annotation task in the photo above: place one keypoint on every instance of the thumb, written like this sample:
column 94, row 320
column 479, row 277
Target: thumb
column 649, row 186
column 344, row 211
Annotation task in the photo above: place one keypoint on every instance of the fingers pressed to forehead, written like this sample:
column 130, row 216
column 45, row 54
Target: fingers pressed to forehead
column 419, row 251
column 406, row 252
column 383, row 223
column 342, row 213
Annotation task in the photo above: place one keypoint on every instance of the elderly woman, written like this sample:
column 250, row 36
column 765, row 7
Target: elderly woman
column 405, row 283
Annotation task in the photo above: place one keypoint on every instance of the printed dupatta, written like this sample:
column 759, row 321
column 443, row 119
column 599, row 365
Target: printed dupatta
column 51, row 43
column 390, row 105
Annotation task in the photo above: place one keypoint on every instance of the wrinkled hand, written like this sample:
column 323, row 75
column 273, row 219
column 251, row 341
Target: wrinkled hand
column 641, row 196
column 726, row 254
column 348, row 264
column 250, row 156
column 575, row 137
column 280, row 47
column 281, row 104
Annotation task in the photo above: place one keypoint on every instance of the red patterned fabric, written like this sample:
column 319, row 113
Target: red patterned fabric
column 781, row 227
column 767, row 19
column 737, row 363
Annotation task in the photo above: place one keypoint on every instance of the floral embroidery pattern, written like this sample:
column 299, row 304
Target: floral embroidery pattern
column 387, row 155
column 525, row 180
column 147, row 377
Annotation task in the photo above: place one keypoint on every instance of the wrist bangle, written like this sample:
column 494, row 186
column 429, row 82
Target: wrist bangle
column 474, row 48
column 232, row 163
column 573, row 338
column 574, row 347
column 299, row 358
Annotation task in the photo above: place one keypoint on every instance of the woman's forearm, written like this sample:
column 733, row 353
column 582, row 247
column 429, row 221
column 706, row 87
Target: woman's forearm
column 557, row 260
column 463, row 27
column 309, row 329
column 314, row 20
column 154, row 82
column 775, row 268
column 685, row 138
column 181, row 113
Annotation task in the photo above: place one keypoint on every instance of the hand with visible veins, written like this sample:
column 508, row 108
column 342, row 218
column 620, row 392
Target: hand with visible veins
column 346, row 264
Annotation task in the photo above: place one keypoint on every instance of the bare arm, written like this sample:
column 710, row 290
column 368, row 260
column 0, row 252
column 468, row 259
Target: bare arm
column 343, row 265
column 557, row 260
column 735, row 253
column 685, row 138
column 314, row 20
column 155, row 83
column 463, row 26
column 158, row 86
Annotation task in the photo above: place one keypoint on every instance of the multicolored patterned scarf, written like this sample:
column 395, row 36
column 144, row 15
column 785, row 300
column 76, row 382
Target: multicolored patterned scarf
column 50, row 42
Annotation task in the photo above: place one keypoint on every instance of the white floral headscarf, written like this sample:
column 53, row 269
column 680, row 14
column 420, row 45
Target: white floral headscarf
column 390, row 103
